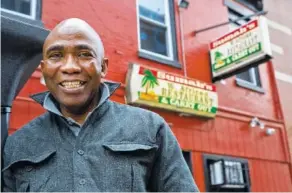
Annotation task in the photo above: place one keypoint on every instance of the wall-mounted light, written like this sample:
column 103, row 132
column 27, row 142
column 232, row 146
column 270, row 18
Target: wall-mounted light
column 262, row 125
column 254, row 121
column 183, row 4
column 270, row 131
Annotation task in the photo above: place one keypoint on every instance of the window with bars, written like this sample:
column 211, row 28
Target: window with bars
column 226, row 174
column 156, row 30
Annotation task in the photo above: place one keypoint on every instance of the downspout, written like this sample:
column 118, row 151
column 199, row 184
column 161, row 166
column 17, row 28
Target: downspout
column 182, row 43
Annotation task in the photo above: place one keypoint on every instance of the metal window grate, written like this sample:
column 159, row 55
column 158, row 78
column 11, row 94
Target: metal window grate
column 228, row 174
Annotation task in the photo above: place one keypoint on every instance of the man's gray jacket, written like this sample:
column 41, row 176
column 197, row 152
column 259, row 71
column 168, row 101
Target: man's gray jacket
column 119, row 148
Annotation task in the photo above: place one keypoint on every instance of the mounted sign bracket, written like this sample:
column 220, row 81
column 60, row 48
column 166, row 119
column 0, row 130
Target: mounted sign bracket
column 232, row 21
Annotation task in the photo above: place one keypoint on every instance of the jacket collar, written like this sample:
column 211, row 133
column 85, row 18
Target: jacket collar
column 40, row 97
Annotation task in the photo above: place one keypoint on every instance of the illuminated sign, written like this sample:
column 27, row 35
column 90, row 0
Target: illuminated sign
column 243, row 48
column 172, row 92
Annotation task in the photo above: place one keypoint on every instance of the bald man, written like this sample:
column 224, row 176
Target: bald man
column 85, row 142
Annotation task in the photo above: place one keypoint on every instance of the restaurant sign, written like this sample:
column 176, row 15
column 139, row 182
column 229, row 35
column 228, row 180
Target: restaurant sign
column 241, row 49
column 171, row 92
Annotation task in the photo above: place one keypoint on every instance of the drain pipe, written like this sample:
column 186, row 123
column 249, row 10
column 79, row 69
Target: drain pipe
column 182, row 43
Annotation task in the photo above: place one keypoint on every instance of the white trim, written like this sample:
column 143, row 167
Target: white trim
column 138, row 24
column 152, row 21
column 279, row 27
column 16, row 13
column 155, row 54
column 33, row 7
column 168, row 31
column 277, row 49
column 283, row 77
column 265, row 36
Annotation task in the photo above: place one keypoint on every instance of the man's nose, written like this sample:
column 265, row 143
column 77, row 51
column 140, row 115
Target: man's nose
column 70, row 66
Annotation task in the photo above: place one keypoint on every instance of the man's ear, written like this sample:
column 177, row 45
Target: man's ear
column 104, row 67
column 42, row 80
column 42, row 63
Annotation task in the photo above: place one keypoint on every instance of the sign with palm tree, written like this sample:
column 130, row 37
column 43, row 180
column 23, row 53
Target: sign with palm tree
column 149, row 82
column 168, row 91
column 240, row 49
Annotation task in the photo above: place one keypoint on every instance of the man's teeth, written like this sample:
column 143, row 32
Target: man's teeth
column 73, row 84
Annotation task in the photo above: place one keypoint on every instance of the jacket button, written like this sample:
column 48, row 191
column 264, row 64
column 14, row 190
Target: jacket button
column 80, row 152
column 70, row 122
column 28, row 168
column 82, row 182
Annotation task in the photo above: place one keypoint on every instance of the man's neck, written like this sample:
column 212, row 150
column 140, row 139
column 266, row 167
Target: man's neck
column 80, row 119
column 76, row 115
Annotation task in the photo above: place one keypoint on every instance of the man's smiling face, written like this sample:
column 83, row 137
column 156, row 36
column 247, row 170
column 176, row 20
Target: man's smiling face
column 73, row 65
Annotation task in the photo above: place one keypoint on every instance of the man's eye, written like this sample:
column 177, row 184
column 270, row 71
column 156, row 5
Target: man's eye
column 84, row 54
column 55, row 56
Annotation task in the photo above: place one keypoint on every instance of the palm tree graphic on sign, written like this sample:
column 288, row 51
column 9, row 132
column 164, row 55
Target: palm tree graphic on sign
column 149, row 81
column 218, row 57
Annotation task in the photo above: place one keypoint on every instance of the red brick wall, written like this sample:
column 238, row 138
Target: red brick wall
column 227, row 134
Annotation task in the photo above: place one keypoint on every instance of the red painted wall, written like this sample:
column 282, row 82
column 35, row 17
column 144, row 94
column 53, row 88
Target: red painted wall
column 266, row 176
column 227, row 134
column 282, row 61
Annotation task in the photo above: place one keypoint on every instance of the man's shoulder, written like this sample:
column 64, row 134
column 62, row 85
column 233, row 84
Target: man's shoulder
column 29, row 131
column 28, row 142
column 132, row 112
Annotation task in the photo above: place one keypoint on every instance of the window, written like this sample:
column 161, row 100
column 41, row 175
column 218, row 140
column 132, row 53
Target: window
column 251, row 77
column 23, row 8
column 27, row 11
column 255, row 5
column 226, row 174
column 156, row 30
column 233, row 15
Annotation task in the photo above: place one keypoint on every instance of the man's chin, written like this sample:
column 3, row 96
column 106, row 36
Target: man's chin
column 76, row 104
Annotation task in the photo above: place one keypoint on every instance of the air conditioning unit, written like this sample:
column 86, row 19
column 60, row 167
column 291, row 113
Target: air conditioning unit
column 227, row 174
